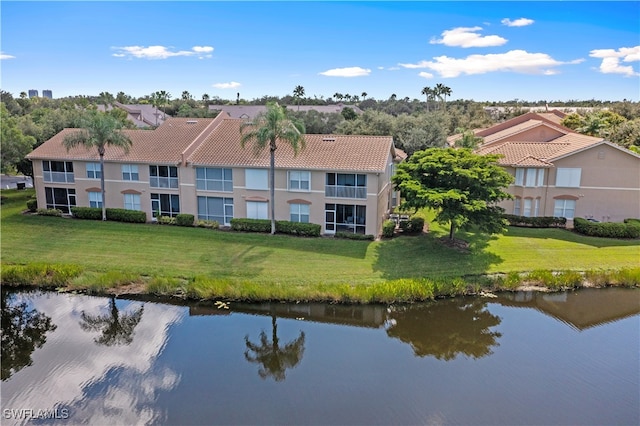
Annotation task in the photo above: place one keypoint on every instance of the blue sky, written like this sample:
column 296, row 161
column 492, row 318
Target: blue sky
column 485, row 51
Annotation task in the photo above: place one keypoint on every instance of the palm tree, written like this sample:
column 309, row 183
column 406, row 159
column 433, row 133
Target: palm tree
column 186, row 96
column 442, row 92
column 164, row 100
column 156, row 101
column 428, row 93
column 298, row 93
column 364, row 95
column 99, row 130
column 116, row 328
column 266, row 129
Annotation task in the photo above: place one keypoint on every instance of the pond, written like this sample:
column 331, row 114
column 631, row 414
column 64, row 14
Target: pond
column 519, row 358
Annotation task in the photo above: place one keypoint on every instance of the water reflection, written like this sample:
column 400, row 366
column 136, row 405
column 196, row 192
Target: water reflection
column 115, row 328
column 23, row 330
column 446, row 328
column 274, row 359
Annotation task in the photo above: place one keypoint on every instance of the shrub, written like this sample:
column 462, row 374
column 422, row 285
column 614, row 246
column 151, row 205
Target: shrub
column 536, row 222
column 298, row 228
column 606, row 229
column 412, row 226
column 184, row 219
column 32, row 205
column 211, row 224
column 124, row 215
column 166, row 220
column 352, row 236
column 251, row 225
column 388, row 228
column 49, row 212
column 91, row 213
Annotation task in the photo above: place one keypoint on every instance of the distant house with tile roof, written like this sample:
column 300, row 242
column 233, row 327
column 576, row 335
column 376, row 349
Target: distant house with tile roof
column 559, row 172
column 251, row 111
column 142, row 115
column 197, row 166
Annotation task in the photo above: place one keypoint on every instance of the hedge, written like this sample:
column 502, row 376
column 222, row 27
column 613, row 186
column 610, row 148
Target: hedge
column 388, row 228
column 536, row 222
column 49, row 212
column 606, row 229
column 116, row 215
column 282, row 226
column 412, row 226
column 184, row 219
column 32, row 205
column 352, row 236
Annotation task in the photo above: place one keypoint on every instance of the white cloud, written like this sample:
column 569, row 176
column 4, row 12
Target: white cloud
column 468, row 37
column 520, row 22
column 347, row 72
column 611, row 60
column 518, row 61
column 230, row 85
column 4, row 56
column 425, row 74
column 160, row 52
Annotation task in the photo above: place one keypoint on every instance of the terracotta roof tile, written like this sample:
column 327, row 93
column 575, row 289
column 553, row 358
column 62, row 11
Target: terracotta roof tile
column 322, row 152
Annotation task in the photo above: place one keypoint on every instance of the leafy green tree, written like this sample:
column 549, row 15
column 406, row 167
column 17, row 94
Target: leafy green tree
column 348, row 113
column 266, row 130
column 14, row 145
column 627, row 134
column 98, row 131
column 468, row 139
column 461, row 187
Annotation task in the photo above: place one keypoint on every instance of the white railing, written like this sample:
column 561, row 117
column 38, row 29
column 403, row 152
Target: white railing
column 163, row 182
column 60, row 177
column 342, row 191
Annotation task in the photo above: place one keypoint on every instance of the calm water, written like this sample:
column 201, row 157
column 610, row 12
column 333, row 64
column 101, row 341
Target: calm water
column 566, row 358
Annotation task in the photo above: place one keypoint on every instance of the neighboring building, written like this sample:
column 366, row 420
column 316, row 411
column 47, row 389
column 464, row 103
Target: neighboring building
column 197, row 166
column 251, row 111
column 47, row 94
column 561, row 173
column 33, row 93
column 142, row 115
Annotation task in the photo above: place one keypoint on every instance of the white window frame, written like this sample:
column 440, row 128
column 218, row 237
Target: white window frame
column 257, row 210
column 130, row 172
column 158, row 181
column 132, row 201
column 519, row 181
column 95, row 199
column 540, row 181
column 536, row 207
column 227, row 209
column 256, row 179
column 68, row 202
column 563, row 205
column 205, row 180
column 299, row 180
column 94, row 171
column 568, row 177
column 65, row 176
column 516, row 206
column 526, row 209
column 299, row 213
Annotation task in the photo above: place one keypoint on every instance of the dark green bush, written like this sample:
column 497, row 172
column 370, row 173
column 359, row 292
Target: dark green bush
column 606, row 229
column 282, row 226
column 388, row 228
column 352, row 236
column 536, row 222
column 91, row 213
column 412, row 226
column 123, row 215
column 32, row 205
column 632, row 221
column 251, row 225
column 184, row 219
column 49, row 212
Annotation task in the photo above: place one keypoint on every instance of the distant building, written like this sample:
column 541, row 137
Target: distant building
column 47, row 94
column 33, row 93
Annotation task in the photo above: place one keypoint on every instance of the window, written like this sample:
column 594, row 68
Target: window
column 130, row 172
column 347, row 218
column 527, row 207
column 214, row 179
column 519, row 176
column 257, row 210
column 564, row 208
column 256, row 179
column 531, row 177
column 166, row 204
column 299, row 213
column 299, row 181
column 568, row 178
column 540, row 177
column 95, row 199
column 536, row 209
column 94, row 171
column 216, row 208
column 132, row 202
column 163, row 176
column 346, row 185
column 516, row 206
column 57, row 171
column 60, row 198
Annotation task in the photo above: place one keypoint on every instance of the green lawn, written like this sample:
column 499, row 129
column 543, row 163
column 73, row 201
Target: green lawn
column 176, row 252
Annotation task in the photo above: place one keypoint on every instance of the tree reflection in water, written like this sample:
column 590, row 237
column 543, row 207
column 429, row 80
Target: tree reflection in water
column 446, row 328
column 274, row 360
column 115, row 328
column 23, row 330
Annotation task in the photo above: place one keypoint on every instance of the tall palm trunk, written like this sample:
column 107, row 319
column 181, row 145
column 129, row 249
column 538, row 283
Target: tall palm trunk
column 272, row 188
column 104, row 208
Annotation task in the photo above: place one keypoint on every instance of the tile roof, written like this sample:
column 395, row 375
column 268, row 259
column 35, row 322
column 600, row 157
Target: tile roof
column 163, row 145
column 322, row 152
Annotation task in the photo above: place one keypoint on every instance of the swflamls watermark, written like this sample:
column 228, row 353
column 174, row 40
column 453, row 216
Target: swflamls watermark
column 31, row 414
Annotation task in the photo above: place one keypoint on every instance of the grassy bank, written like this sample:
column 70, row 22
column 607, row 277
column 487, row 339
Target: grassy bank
column 199, row 262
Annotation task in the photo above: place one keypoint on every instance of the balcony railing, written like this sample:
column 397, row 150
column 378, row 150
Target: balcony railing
column 163, row 182
column 59, row 177
column 343, row 191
